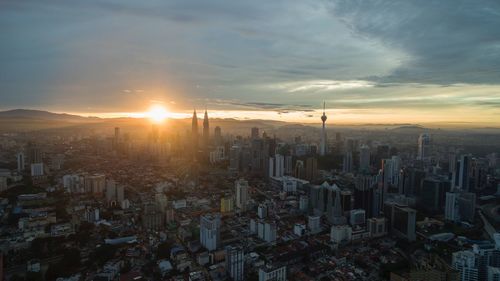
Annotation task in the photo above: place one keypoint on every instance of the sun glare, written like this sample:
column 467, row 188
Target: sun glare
column 157, row 113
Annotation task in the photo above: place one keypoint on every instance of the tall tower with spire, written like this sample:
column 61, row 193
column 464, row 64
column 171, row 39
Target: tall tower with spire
column 194, row 133
column 322, row 145
column 206, row 131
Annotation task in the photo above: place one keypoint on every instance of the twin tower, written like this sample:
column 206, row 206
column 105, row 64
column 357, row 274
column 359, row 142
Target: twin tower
column 195, row 135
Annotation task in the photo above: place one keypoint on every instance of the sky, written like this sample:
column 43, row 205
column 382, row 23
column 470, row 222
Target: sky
column 371, row 61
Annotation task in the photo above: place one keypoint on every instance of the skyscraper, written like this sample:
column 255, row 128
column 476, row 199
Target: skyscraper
column 241, row 186
column 21, row 162
column 255, row 133
column 235, row 261
column 364, row 159
column 206, row 131
column 194, row 134
column 348, row 162
column 33, row 154
column 311, row 169
column 322, row 146
column 210, row 231
column 464, row 173
column 117, row 134
column 424, row 141
column 218, row 135
column 277, row 166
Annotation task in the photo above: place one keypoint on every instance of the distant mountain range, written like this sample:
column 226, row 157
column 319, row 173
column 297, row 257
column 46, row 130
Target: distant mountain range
column 46, row 115
column 30, row 119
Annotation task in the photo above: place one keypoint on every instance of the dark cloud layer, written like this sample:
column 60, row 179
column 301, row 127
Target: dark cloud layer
column 454, row 41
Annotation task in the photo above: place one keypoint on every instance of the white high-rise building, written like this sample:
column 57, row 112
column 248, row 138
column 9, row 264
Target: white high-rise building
column 210, row 231
column 280, row 165
column 235, row 262
column 323, row 148
column 465, row 262
column 277, row 166
column 272, row 273
column 241, row 187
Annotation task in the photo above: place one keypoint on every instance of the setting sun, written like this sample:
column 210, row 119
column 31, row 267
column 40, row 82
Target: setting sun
column 157, row 113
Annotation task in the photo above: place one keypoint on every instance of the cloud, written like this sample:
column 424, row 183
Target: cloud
column 446, row 41
column 322, row 85
column 277, row 56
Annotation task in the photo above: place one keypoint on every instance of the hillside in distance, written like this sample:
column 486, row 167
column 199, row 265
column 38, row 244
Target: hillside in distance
column 26, row 120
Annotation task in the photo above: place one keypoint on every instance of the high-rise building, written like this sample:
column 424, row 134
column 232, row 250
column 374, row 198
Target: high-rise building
column 218, row 135
column 314, row 224
column 451, row 212
column 323, row 149
column 241, row 187
column 235, row 262
column 477, row 263
column 299, row 170
column 277, row 166
column 357, row 217
column 340, row 233
column 255, row 133
column 311, row 169
column 460, row 206
column 266, row 230
column 33, row 154
column 464, row 173
column 272, row 273
column 117, row 134
column 235, row 158
column 424, row 142
column 303, row 203
column 288, row 165
column 206, row 131
column 402, row 220
column 364, row 159
column 194, row 134
column 377, row 226
column 334, row 211
column 348, row 163
column 95, row 184
column 152, row 218
column 432, row 194
column 37, row 169
column 363, row 194
column 226, row 204
column 262, row 211
column 210, row 231
column 21, row 162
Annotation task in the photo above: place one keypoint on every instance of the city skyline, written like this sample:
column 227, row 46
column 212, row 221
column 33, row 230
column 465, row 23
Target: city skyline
column 372, row 62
